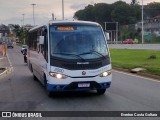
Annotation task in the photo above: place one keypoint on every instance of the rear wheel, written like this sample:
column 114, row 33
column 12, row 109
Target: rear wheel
column 34, row 77
column 101, row 91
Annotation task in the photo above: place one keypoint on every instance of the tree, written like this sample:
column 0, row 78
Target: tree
column 85, row 14
column 117, row 12
column 102, row 13
column 134, row 2
column 16, row 29
column 123, row 13
column 152, row 10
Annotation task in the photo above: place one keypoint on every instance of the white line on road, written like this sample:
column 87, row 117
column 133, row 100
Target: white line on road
column 130, row 74
column 9, row 60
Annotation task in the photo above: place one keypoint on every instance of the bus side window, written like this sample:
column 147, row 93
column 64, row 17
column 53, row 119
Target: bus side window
column 44, row 47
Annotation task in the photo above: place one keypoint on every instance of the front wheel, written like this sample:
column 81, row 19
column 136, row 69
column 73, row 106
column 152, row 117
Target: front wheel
column 49, row 93
column 101, row 91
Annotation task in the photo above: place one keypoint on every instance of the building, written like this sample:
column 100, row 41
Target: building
column 151, row 26
column 4, row 31
column 27, row 27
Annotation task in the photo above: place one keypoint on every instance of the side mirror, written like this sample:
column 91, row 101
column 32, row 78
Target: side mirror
column 41, row 40
column 107, row 36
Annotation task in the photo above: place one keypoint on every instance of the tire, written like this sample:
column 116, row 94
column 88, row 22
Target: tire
column 101, row 91
column 45, row 82
column 34, row 77
column 49, row 93
column 30, row 66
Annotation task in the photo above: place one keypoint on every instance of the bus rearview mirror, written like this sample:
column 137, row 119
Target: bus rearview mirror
column 41, row 40
column 107, row 36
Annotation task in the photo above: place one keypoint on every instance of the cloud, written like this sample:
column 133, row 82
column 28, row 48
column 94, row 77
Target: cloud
column 78, row 6
column 11, row 10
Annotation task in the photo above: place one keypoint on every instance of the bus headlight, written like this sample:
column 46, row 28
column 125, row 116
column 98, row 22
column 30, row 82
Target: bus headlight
column 57, row 75
column 106, row 73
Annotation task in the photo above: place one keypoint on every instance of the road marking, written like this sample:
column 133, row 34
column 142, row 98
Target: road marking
column 130, row 74
column 9, row 61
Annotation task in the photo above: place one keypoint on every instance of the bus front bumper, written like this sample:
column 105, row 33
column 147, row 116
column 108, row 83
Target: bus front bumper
column 78, row 86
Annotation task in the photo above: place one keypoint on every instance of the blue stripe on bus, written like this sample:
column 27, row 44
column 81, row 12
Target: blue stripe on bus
column 60, row 87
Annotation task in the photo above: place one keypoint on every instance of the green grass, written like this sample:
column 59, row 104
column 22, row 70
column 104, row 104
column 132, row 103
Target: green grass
column 128, row 59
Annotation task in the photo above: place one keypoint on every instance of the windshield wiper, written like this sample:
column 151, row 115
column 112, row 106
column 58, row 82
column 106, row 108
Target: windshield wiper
column 93, row 51
column 71, row 55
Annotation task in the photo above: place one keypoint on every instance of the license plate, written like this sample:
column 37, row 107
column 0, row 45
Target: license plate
column 83, row 85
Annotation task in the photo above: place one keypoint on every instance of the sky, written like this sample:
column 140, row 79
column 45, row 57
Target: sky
column 11, row 10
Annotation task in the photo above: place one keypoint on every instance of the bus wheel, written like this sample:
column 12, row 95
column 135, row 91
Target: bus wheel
column 45, row 81
column 34, row 77
column 30, row 66
column 101, row 91
column 49, row 93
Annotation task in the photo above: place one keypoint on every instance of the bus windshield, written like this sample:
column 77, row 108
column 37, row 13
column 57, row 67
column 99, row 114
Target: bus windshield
column 77, row 42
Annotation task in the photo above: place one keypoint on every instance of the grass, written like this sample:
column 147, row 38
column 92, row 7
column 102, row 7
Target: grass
column 128, row 59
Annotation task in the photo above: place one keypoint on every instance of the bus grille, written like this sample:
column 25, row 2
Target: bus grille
column 82, row 66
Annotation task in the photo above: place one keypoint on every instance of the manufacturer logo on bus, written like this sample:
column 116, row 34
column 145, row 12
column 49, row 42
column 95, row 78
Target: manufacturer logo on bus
column 84, row 63
column 59, row 70
column 83, row 73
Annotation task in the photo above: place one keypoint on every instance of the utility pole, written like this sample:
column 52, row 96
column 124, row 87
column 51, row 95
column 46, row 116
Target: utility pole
column 21, row 22
column 116, row 32
column 23, row 28
column 23, row 19
column 142, row 25
column 62, row 10
column 33, row 14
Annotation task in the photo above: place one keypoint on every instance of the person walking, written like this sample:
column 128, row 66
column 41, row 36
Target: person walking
column 25, row 55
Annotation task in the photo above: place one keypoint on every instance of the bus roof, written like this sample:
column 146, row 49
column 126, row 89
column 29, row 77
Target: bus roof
column 66, row 23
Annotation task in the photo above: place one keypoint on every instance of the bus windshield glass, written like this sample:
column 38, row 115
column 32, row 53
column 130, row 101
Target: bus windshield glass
column 77, row 42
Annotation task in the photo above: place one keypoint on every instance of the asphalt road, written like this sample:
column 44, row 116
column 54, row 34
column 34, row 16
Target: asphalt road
column 19, row 92
column 136, row 46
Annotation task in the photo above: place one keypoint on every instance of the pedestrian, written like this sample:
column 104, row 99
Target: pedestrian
column 25, row 55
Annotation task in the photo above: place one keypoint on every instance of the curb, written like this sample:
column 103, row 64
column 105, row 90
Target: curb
column 156, row 77
column 7, row 69
column 2, row 69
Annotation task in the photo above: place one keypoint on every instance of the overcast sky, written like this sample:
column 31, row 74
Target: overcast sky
column 11, row 10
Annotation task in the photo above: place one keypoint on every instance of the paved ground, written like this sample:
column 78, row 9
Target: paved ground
column 4, row 62
column 5, row 65
column 18, row 91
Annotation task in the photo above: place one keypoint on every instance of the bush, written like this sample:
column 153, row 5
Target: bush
column 152, row 57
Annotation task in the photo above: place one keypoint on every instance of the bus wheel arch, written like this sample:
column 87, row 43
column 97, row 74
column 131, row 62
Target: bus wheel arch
column 49, row 93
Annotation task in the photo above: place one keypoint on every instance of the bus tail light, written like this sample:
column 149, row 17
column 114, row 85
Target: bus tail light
column 106, row 73
column 57, row 75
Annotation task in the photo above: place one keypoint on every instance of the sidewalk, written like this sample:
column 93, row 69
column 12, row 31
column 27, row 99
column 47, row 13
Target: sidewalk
column 4, row 65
